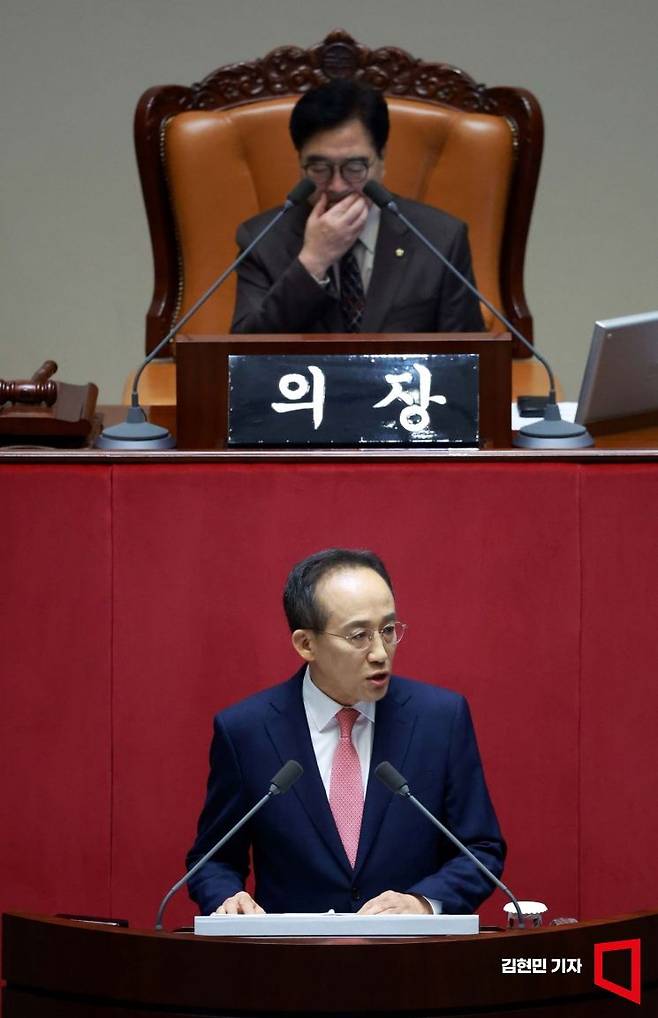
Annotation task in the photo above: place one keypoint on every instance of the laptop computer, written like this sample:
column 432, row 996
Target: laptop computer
column 621, row 374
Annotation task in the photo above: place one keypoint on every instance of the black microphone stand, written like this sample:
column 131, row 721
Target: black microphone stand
column 551, row 432
column 136, row 432
column 279, row 785
column 394, row 781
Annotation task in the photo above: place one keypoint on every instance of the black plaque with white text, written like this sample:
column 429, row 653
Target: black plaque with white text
column 353, row 399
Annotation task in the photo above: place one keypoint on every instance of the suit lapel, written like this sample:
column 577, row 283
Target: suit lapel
column 287, row 727
column 291, row 230
column 332, row 321
column 394, row 725
column 387, row 272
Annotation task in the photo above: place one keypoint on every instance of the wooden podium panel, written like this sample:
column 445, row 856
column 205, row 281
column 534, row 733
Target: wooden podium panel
column 202, row 375
column 56, row 967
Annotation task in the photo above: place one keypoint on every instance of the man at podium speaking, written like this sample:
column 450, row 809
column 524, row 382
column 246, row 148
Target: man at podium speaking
column 339, row 839
column 337, row 263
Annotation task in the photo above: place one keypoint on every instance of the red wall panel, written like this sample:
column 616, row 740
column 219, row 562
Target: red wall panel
column 55, row 723
column 619, row 733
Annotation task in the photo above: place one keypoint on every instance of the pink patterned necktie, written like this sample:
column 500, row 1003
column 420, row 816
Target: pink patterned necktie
column 346, row 785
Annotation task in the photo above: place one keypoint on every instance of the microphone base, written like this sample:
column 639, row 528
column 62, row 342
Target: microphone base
column 135, row 434
column 553, row 433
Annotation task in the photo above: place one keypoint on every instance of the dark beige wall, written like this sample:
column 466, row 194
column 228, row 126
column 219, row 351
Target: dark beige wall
column 75, row 275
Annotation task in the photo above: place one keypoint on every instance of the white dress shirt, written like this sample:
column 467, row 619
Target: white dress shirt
column 321, row 713
column 364, row 249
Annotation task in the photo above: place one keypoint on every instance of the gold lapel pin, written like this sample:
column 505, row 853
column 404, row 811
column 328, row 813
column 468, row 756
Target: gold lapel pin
column 399, row 251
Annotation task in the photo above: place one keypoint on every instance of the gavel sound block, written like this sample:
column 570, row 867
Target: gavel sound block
column 39, row 409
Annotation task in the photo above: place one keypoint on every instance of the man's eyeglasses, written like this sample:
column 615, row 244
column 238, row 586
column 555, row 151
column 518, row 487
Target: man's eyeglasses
column 321, row 171
column 391, row 635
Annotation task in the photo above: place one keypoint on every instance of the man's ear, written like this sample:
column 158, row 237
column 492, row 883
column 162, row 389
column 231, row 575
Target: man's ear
column 302, row 641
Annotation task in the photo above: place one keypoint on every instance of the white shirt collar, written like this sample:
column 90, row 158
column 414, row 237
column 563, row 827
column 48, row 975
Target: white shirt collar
column 321, row 709
column 368, row 235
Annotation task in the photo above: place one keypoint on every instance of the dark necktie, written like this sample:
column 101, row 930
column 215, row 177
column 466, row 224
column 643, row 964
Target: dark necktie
column 352, row 297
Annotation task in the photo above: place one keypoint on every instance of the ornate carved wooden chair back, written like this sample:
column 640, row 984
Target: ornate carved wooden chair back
column 214, row 154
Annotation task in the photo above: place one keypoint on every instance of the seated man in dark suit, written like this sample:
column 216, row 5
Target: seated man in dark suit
column 339, row 839
column 338, row 264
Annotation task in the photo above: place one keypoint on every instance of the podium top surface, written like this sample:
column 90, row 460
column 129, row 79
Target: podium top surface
column 138, row 971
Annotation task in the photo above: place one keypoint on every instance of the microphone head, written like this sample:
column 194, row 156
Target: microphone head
column 286, row 777
column 393, row 780
column 302, row 190
column 378, row 194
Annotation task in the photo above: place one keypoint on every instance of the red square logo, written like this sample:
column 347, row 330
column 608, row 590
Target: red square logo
column 631, row 992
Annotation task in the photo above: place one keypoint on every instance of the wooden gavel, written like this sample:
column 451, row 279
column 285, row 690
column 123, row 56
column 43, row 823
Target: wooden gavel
column 37, row 390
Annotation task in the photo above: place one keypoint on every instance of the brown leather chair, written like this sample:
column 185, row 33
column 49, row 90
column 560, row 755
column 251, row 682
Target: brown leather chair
column 212, row 155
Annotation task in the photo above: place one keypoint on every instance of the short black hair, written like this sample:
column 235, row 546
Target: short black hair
column 335, row 103
column 299, row 601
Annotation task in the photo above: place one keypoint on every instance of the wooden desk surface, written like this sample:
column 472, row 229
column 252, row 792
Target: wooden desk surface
column 641, row 444
column 528, row 378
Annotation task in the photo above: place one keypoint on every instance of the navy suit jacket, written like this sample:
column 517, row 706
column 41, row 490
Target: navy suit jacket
column 410, row 289
column 299, row 861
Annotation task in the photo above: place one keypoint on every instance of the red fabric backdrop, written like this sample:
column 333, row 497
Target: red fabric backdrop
column 138, row 600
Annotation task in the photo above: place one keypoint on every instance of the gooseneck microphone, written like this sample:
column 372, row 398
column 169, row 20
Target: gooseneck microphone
column 395, row 783
column 135, row 432
column 550, row 433
column 279, row 785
